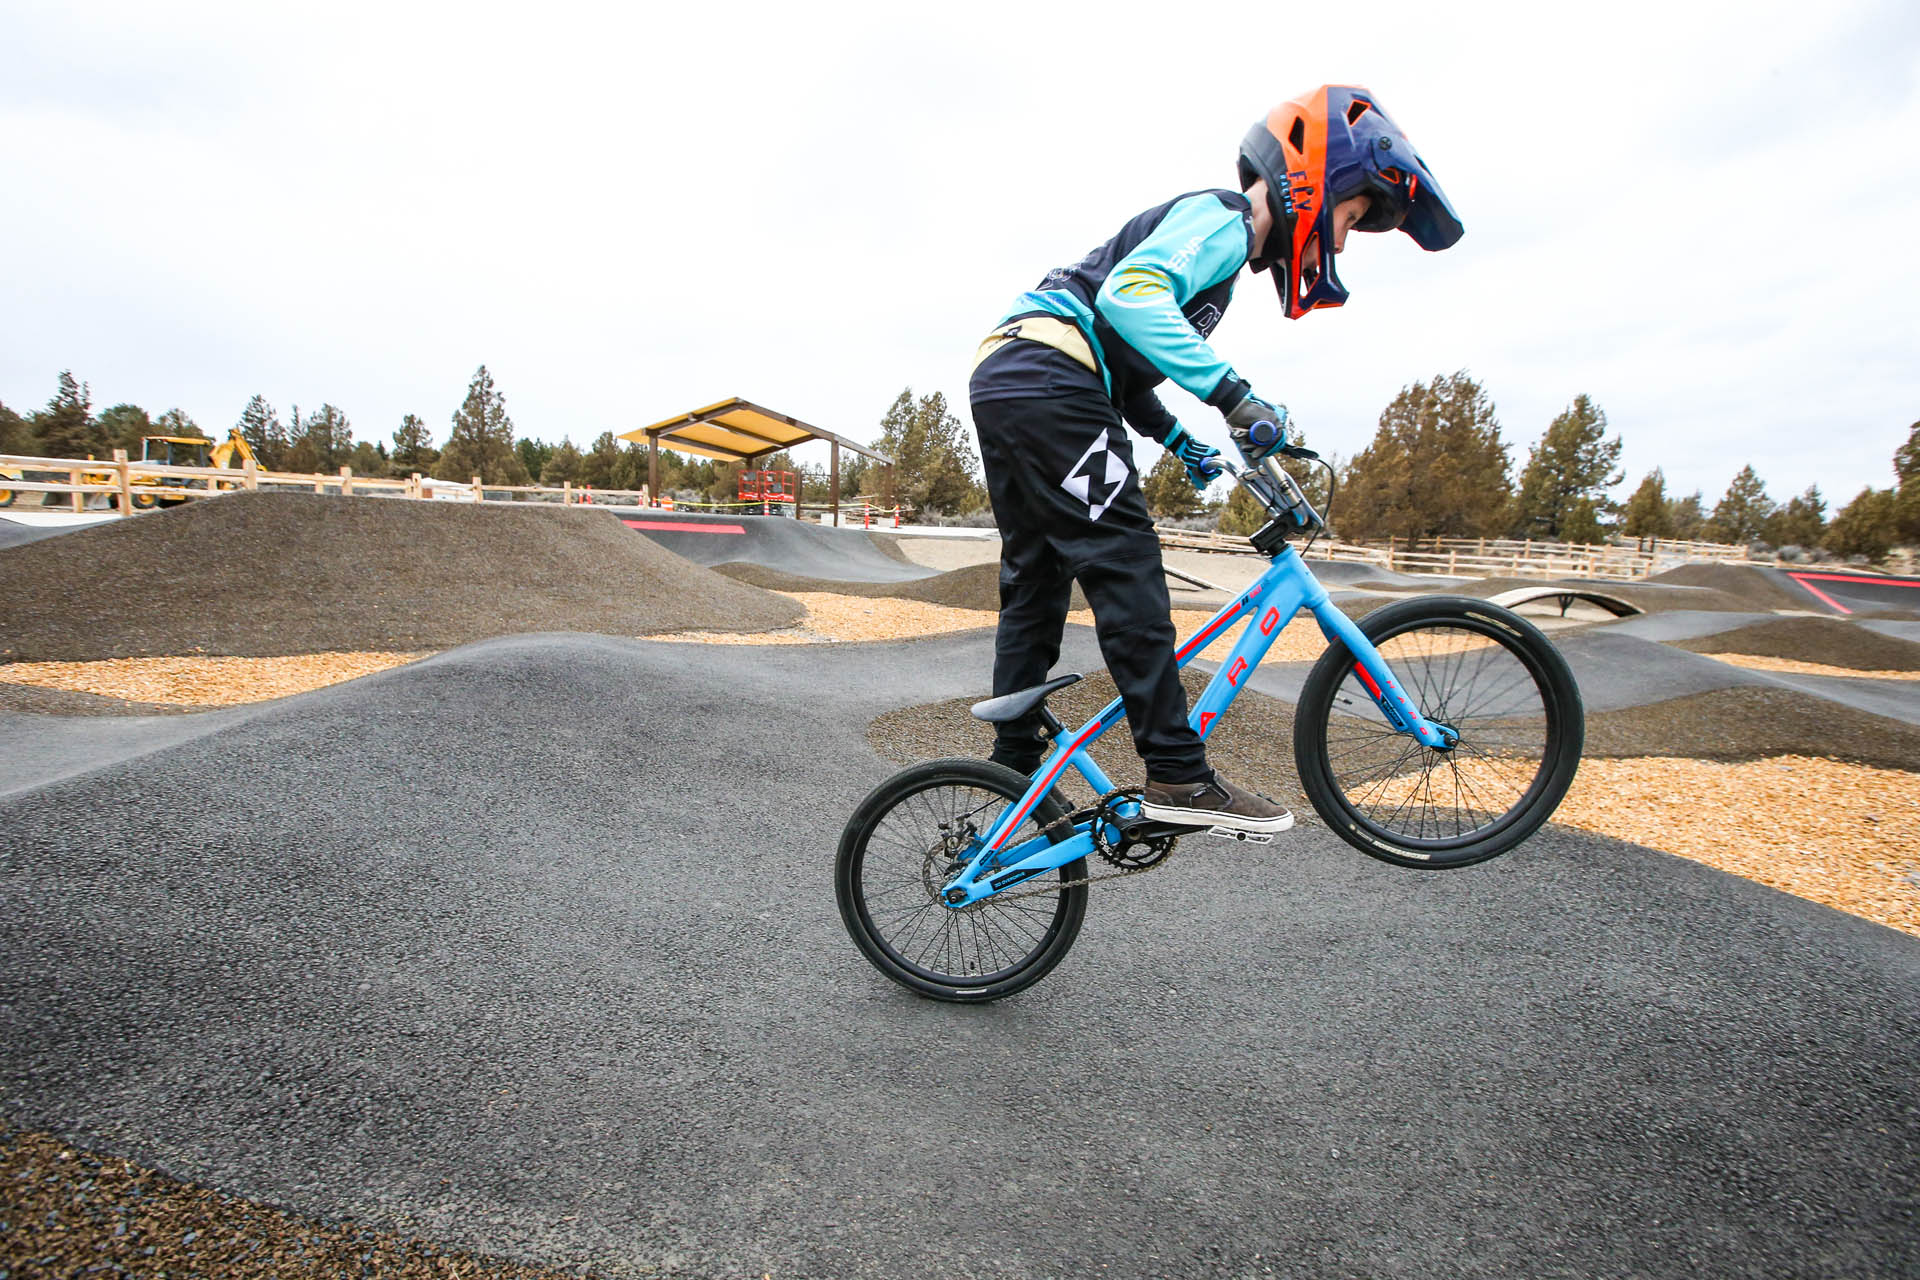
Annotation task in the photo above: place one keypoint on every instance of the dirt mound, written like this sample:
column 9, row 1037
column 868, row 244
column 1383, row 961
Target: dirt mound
column 1832, row 641
column 264, row 574
column 974, row 587
column 1755, row 588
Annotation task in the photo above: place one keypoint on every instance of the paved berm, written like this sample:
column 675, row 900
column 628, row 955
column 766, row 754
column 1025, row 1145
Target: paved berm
column 530, row 948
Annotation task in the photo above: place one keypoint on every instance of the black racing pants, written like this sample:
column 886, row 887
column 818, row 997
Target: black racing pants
column 1067, row 499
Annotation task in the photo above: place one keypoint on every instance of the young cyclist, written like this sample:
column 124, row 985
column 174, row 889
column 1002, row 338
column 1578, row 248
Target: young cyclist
column 1084, row 350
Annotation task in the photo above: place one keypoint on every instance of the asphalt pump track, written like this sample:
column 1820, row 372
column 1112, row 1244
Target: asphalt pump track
column 561, row 978
column 788, row 546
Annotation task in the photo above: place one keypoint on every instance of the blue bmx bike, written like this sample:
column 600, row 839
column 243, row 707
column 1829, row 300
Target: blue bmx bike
column 1435, row 732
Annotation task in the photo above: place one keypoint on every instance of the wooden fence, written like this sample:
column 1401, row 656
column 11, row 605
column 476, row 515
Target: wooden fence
column 1497, row 557
column 130, row 486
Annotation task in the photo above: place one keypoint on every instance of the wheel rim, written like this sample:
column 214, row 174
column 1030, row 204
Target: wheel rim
column 909, row 853
column 1475, row 681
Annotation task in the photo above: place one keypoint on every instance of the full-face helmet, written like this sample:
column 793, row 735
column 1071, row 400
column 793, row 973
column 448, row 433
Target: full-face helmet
column 1317, row 150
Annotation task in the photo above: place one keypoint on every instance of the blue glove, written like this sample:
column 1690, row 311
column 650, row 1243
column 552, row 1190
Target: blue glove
column 1201, row 469
column 1257, row 427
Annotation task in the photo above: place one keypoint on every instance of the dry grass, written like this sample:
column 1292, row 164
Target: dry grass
column 1791, row 666
column 202, row 681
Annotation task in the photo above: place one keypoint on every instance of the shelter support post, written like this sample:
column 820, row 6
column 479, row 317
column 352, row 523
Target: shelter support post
column 653, row 469
column 833, row 479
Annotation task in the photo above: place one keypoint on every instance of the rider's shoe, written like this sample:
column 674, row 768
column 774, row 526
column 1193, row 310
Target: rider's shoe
column 1213, row 802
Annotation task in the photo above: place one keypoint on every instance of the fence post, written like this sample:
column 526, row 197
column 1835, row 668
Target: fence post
column 479, row 494
column 125, row 479
column 566, row 493
column 1453, row 562
column 346, row 482
column 251, row 471
column 76, row 476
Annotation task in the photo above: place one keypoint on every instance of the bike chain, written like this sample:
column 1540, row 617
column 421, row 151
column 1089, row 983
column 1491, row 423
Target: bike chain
column 1066, row 824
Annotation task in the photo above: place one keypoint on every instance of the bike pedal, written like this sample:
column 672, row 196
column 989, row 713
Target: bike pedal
column 1245, row 837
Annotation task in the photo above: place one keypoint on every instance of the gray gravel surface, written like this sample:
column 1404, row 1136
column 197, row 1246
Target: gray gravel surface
column 531, row 947
column 261, row 574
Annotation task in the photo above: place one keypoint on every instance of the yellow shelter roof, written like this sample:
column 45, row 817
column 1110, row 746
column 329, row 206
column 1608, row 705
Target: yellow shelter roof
column 738, row 430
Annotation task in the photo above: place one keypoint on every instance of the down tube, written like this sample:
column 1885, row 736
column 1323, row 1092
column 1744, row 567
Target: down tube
column 1279, row 594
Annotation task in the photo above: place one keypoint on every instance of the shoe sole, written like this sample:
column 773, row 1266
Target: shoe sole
column 1179, row 817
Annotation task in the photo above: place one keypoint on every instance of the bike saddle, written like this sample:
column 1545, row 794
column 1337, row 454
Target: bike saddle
column 1011, row 706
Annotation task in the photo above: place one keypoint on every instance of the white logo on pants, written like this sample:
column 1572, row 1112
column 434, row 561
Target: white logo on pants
column 1097, row 477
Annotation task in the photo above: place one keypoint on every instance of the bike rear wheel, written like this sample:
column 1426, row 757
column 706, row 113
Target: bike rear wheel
column 1480, row 670
column 904, row 842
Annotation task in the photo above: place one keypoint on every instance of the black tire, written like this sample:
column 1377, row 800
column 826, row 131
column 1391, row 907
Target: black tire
column 6, row 497
column 1479, row 669
column 892, row 863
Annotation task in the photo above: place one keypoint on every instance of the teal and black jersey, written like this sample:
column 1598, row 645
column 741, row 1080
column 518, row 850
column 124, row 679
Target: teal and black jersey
column 1145, row 301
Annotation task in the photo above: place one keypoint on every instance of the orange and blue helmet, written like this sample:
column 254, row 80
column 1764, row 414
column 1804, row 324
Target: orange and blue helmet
column 1317, row 150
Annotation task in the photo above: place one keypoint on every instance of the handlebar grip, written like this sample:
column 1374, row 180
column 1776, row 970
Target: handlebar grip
column 1264, row 434
column 1211, row 466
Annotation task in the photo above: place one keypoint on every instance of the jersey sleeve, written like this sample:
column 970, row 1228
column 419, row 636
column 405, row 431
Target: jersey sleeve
column 1197, row 245
column 1146, row 415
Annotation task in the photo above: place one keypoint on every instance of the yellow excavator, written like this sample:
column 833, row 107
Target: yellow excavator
column 173, row 451
column 181, row 451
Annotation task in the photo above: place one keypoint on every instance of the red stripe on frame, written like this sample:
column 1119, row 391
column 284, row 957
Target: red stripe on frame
column 683, row 526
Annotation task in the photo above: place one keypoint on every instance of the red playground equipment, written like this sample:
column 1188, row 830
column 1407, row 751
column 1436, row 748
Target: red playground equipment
column 770, row 487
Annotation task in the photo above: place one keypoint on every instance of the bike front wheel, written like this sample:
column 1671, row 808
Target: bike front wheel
column 906, row 840
column 1480, row 670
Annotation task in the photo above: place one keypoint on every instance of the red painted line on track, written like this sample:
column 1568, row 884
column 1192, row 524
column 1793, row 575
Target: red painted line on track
column 683, row 526
column 1865, row 580
column 1831, row 602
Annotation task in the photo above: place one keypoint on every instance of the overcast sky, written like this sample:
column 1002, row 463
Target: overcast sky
column 1701, row 214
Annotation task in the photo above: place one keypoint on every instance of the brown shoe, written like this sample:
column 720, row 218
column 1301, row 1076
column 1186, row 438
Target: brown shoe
column 1213, row 802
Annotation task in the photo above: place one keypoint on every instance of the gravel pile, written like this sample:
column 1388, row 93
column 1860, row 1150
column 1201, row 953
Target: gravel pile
column 71, row 1213
column 1831, row 642
column 268, row 574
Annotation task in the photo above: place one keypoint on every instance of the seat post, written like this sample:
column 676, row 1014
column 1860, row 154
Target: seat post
column 1050, row 722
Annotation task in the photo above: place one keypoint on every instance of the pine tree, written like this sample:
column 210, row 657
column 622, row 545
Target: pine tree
column 533, row 455
column 16, row 436
column 261, row 428
column 331, row 437
column 596, row 465
column 1802, row 522
column 1867, row 526
column 175, row 422
column 1647, row 511
column 124, row 425
column 561, row 466
column 67, row 428
column 1739, row 515
column 1569, row 471
column 934, row 462
column 412, row 448
column 1906, row 459
column 1436, row 467
column 482, row 440
column 1169, row 494
column 1687, row 517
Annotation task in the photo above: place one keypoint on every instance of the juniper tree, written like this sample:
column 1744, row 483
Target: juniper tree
column 1867, row 526
column 1648, row 514
column 1567, row 476
column 1436, row 466
column 1169, row 494
column 124, row 425
column 1738, row 516
column 934, row 461
column 1802, row 522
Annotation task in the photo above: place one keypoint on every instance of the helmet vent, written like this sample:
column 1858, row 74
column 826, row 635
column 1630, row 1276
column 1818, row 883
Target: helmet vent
column 1297, row 136
column 1357, row 109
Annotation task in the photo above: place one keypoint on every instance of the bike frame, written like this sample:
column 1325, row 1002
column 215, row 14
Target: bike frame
column 1273, row 600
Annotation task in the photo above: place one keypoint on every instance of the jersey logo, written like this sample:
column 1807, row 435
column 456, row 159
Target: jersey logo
column 1139, row 286
column 1204, row 319
column 1188, row 252
column 1097, row 478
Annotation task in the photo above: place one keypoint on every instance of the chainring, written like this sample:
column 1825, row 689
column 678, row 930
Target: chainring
column 1129, row 853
